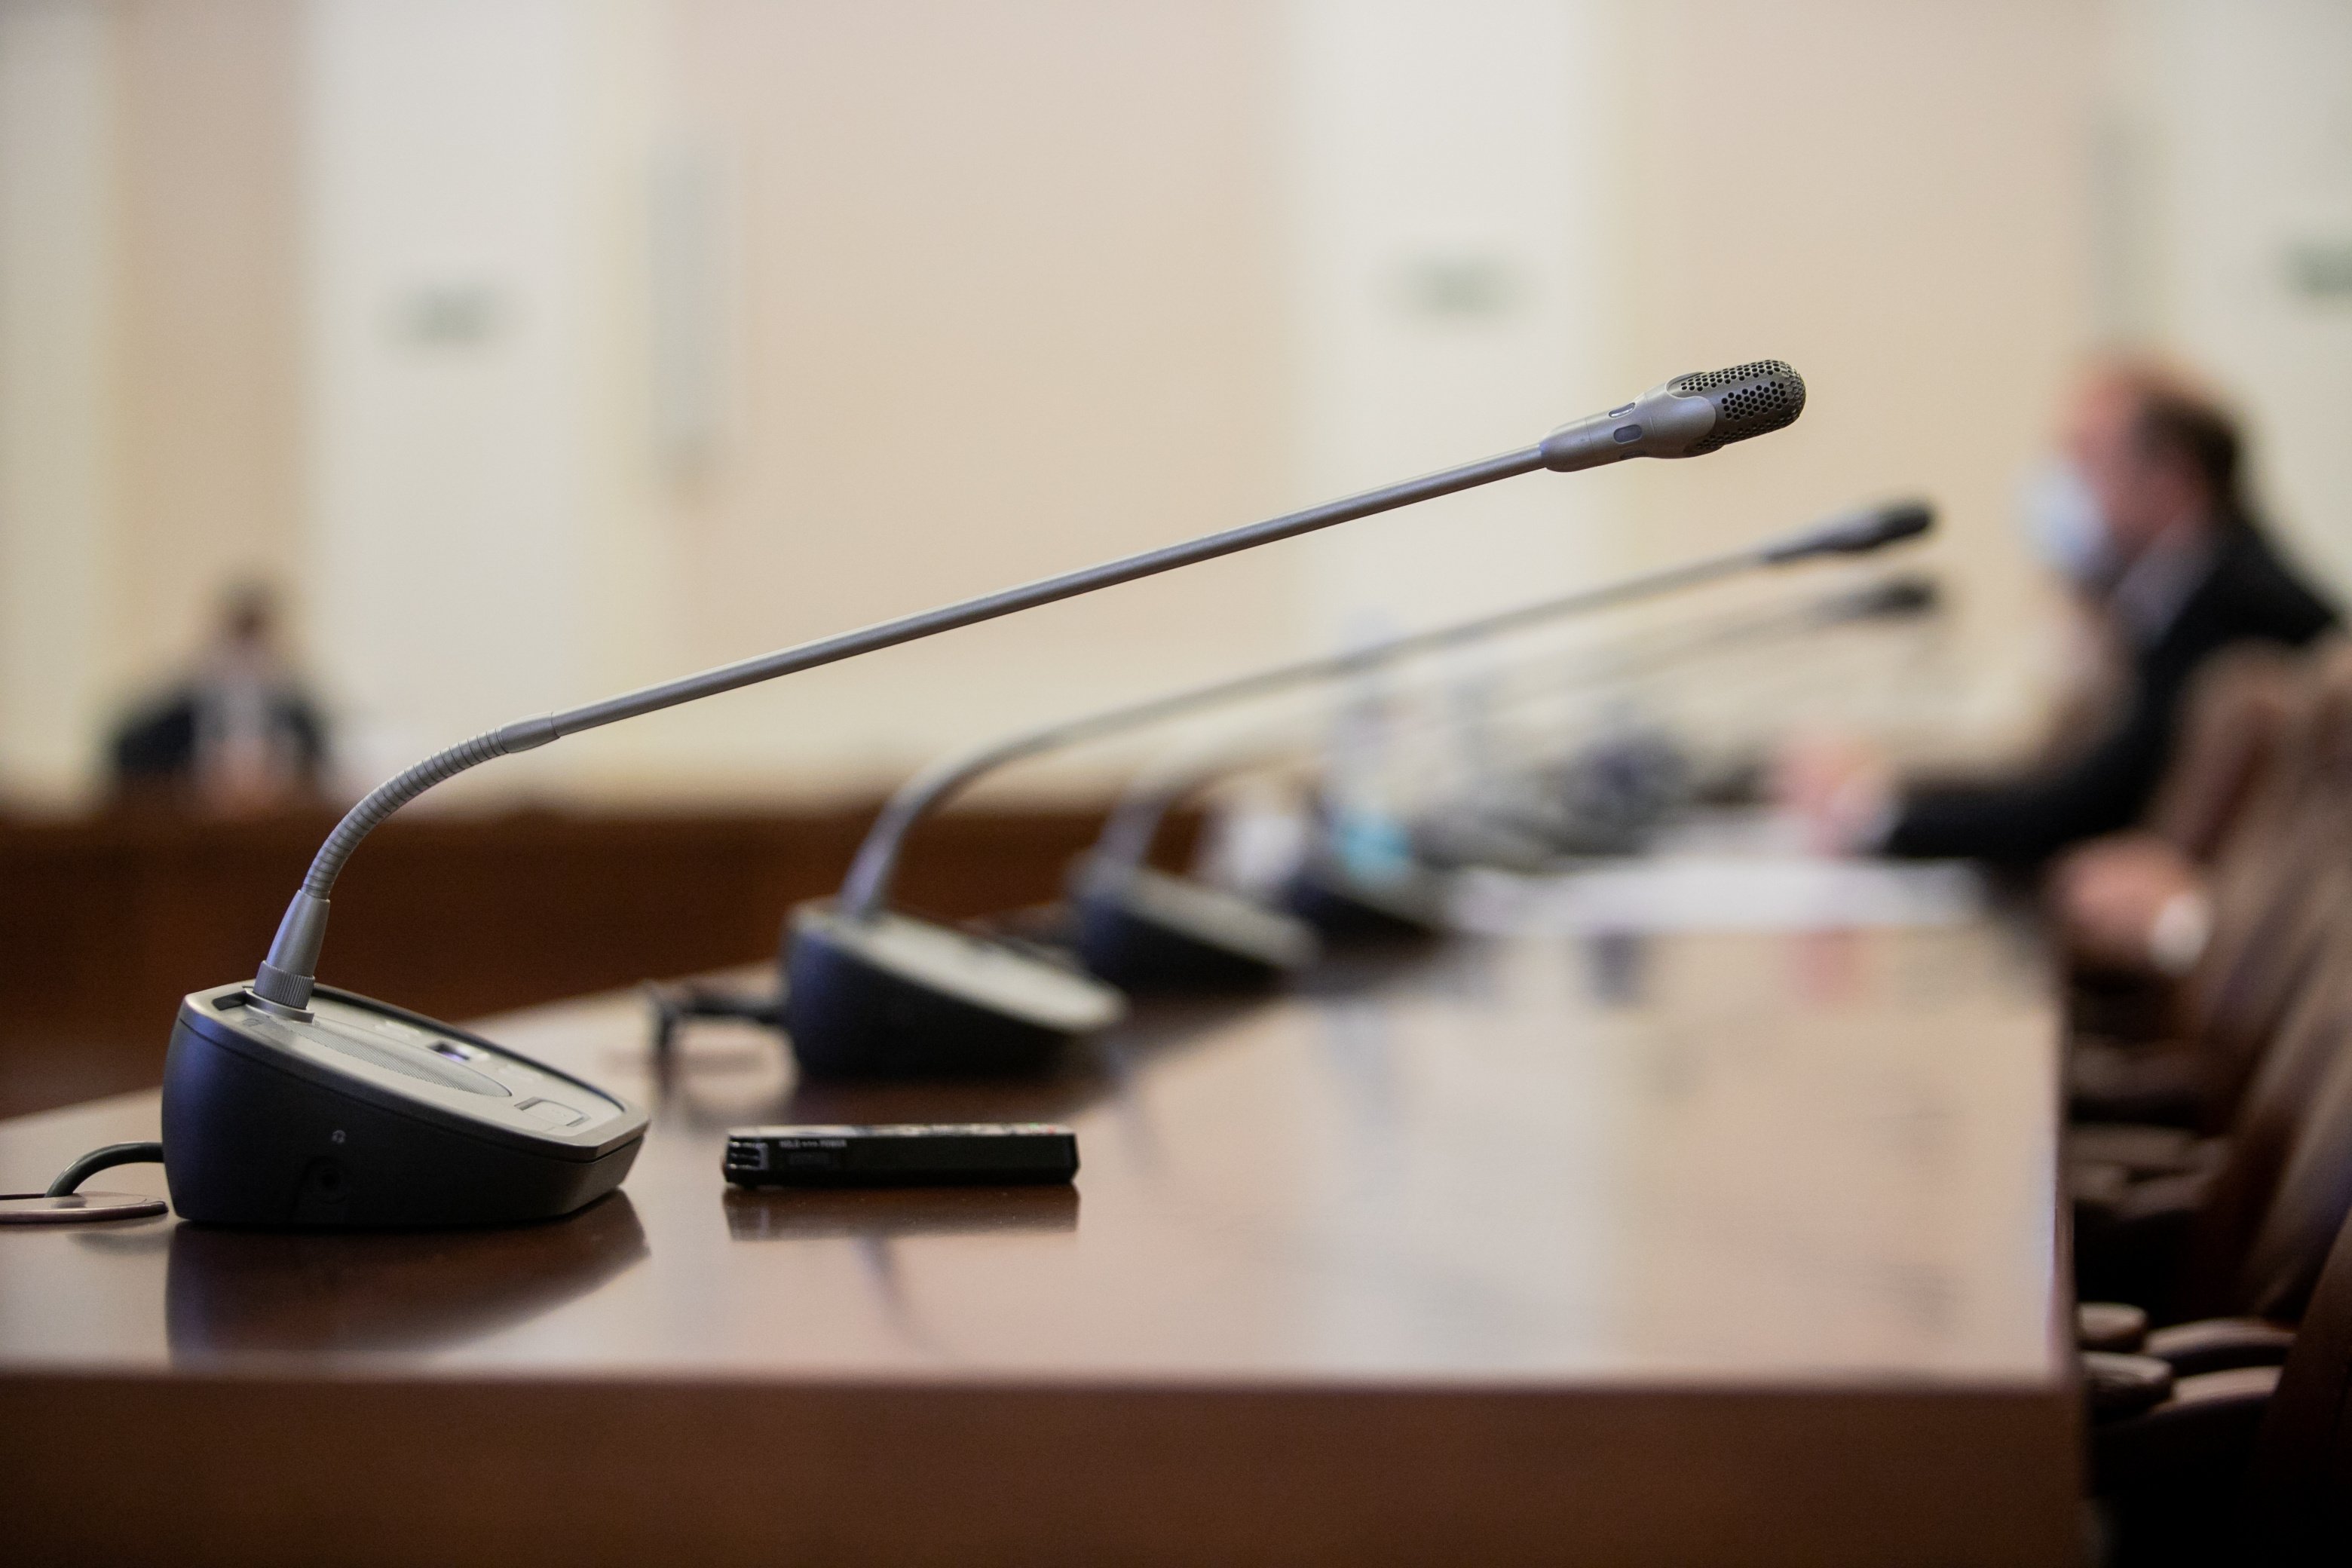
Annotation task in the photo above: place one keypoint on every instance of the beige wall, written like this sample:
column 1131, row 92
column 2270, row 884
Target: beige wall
column 1005, row 305
column 210, row 437
column 1902, row 212
column 2230, row 147
column 982, row 292
column 1894, row 198
column 1000, row 298
column 57, row 534
column 989, row 293
column 152, row 430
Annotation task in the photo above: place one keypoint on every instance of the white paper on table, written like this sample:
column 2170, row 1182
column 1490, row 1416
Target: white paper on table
column 1722, row 892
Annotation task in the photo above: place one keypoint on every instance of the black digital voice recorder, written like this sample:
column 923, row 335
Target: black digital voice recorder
column 986, row 1154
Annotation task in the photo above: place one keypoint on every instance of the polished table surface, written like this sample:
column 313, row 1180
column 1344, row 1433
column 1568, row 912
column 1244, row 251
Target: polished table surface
column 1701, row 1248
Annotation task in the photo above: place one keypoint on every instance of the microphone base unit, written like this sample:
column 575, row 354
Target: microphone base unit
column 1147, row 931
column 352, row 1114
column 888, row 995
column 1344, row 909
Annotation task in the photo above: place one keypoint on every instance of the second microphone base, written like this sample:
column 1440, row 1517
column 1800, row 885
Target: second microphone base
column 1344, row 909
column 1147, row 931
column 889, row 996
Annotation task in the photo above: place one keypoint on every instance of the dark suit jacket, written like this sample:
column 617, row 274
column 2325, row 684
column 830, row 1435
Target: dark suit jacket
column 158, row 744
column 2249, row 595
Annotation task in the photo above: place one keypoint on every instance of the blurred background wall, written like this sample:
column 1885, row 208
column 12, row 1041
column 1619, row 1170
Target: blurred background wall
column 543, row 347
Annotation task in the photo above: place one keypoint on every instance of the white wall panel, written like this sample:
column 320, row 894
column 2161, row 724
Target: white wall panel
column 56, row 489
column 1453, row 217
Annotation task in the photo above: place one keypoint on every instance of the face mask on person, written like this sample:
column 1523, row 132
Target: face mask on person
column 2063, row 523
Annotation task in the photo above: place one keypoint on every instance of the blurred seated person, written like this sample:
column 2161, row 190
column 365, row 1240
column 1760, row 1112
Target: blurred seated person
column 239, row 735
column 2146, row 519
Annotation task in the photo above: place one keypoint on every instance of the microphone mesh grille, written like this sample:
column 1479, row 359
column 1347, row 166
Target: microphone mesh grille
column 1751, row 399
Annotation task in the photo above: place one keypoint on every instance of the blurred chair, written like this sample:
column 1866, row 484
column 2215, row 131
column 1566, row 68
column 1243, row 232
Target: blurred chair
column 2201, row 1455
column 2229, row 743
column 2271, row 889
column 2106, row 896
column 2300, row 1491
column 2175, row 1222
column 2182, row 1226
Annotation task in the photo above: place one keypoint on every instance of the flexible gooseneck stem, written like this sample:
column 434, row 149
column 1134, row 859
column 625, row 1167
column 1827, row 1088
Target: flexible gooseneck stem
column 867, row 888
column 286, row 975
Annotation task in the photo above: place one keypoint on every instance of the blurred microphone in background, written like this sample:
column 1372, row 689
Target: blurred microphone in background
column 2144, row 516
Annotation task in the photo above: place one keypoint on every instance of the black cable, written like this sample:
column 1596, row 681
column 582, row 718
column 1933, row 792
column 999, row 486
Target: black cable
column 99, row 1160
column 673, row 1005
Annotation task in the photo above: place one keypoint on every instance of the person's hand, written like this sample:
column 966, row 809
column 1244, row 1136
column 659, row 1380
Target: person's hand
column 1840, row 791
column 2131, row 900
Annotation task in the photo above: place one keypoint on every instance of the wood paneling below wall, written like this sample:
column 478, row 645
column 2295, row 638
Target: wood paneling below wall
column 106, row 923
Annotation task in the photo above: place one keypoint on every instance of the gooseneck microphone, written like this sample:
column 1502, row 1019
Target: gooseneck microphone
column 868, row 886
column 869, row 991
column 1335, row 903
column 1609, row 795
column 1685, row 418
column 1144, row 928
column 287, row 1102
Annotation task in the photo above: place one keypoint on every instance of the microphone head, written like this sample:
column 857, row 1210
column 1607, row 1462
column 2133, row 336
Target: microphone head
column 1685, row 417
column 1896, row 599
column 1752, row 399
column 1858, row 532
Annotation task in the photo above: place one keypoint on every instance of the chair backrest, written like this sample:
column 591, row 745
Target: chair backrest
column 2252, row 1246
column 2272, row 977
column 2270, row 905
column 2299, row 1487
column 2314, row 1194
column 2250, row 850
column 2232, row 727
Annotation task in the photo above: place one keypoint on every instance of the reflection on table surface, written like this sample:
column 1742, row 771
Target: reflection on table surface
column 1767, row 1157
column 229, row 1292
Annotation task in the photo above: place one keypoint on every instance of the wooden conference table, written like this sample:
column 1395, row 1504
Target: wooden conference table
column 1698, row 1248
